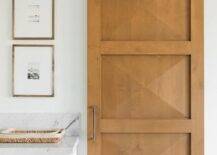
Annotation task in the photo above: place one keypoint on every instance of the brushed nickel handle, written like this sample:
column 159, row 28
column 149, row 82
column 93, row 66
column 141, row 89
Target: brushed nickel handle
column 93, row 136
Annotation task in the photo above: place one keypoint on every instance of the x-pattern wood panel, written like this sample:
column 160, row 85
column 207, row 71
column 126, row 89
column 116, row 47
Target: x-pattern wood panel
column 145, row 144
column 145, row 87
column 125, row 39
column 146, row 20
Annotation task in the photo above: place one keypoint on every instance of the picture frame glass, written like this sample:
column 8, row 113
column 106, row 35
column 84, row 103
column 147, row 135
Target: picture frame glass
column 33, row 19
column 33, row 69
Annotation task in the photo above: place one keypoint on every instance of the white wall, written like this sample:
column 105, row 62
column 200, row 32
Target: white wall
column 71, row 67
column 70, row 64
column 210, row 77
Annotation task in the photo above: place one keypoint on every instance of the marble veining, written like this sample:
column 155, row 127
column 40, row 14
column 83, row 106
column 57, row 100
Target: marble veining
column 68, row 146
column 41, row 121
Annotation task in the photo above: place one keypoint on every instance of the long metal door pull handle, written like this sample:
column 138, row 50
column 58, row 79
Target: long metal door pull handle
column 93, row 136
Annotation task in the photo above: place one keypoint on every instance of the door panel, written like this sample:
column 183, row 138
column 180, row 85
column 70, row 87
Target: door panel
column 145, row 20
column 145, row 86
column 145, row 77
column 142, row 144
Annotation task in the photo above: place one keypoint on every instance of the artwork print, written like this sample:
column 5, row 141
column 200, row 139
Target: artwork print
column 33, row 19
column 34, row 11
column 33, row 71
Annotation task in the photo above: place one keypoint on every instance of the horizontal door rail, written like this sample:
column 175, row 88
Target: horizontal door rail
column 146, row 47
column 145, row 126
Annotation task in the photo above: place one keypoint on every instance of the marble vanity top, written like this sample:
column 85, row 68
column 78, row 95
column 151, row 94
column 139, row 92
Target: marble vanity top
column 68, row 146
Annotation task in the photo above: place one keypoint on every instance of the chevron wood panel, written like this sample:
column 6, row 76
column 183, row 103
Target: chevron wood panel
column 145, row 144
column 136, row 20
column 146, row 86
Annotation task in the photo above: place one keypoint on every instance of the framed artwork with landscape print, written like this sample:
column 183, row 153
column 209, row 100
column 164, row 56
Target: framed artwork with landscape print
column 33, row 19
column 33, row 70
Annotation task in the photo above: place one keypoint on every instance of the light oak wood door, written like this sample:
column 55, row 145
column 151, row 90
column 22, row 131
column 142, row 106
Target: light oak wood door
column 145, row 77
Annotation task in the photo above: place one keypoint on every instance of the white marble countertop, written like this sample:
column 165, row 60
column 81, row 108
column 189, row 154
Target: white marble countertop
column 41, row 121
column 68, row 146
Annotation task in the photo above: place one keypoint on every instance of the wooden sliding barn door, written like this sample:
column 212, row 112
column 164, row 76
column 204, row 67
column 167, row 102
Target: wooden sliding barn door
column 145, row 77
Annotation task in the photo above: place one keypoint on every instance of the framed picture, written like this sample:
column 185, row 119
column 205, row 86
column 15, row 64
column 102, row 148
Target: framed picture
column 33, row 19
column 33, row 70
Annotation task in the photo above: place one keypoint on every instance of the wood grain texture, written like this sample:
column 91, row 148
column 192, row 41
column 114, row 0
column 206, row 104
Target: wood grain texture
column 145, row 75
column 145, row 20
column 142, row 144
column 93, row 65
column 146, row 47
column 145, row 126
column 145, row 87
column 197, row 77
